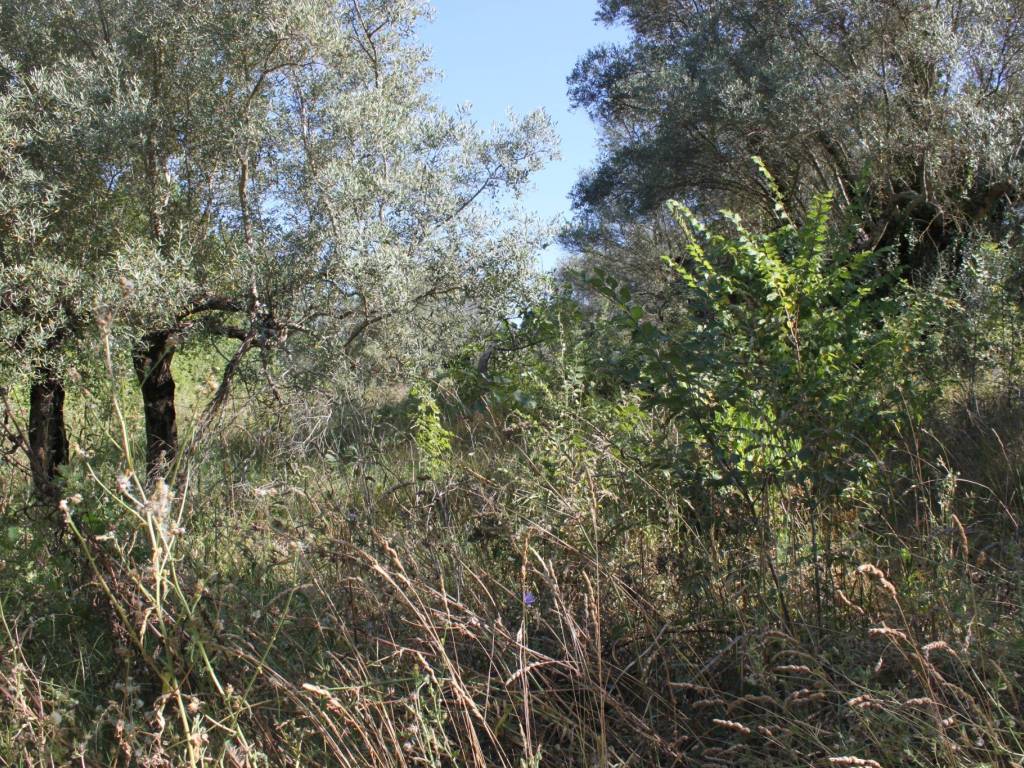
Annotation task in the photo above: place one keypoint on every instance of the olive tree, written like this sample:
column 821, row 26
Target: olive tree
column 271, row 172
column 55, row 227
column 911, row 114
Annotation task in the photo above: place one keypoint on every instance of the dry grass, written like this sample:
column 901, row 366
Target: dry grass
column 547, row 601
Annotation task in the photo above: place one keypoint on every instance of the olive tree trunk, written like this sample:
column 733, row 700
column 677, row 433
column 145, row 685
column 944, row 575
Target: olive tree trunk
column 152, row 360
column 47, row 433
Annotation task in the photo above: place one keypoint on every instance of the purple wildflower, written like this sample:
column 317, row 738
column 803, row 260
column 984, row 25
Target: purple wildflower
column 529, row 598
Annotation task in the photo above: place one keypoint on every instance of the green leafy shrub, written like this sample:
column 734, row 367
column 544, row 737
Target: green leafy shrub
column 432, row 439
column 791, row 368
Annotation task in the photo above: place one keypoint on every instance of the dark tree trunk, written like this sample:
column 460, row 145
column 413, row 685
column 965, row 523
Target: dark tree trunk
column 47, row 434
column 152, row 360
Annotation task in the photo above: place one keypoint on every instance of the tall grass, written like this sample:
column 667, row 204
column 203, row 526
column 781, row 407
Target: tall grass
column 535, row 596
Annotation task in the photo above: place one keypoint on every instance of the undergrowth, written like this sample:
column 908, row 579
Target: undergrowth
column 613, row 541
column 547, row 600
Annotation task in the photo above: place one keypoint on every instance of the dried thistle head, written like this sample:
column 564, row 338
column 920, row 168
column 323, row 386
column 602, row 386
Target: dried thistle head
column 858, row 762
column 937, row 645
column 732, row 725
column 104, row 319
column 889, row 632
column 794, row 669
column 867, row 569
column 921, row 701
column 864, row 701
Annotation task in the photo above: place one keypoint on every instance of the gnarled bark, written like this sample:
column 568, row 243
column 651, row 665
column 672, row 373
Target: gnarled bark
column 47, row 433
column 152, row 360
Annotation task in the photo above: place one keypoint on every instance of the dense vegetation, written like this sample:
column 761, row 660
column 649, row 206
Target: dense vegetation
column 305, row 465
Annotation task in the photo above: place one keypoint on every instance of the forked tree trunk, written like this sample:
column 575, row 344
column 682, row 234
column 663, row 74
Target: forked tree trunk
column 152, row 360
column 47, row 433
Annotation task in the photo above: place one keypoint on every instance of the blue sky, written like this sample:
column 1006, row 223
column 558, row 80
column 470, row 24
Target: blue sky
column 502, row 54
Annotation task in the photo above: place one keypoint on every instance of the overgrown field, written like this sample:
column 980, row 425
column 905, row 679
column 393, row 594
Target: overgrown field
column 305, row 462
column 535, row 567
